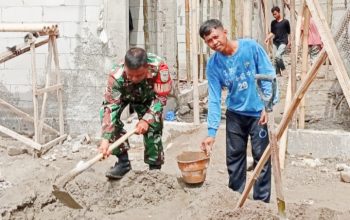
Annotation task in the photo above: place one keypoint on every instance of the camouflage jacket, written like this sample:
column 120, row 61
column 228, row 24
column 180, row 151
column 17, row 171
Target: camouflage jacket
column 120, row 92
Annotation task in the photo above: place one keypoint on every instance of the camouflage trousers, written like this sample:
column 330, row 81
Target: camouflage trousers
column 153, row 153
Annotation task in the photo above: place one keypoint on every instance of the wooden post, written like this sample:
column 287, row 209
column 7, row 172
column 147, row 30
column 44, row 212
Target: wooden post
column 58, row 80
column 146, row 26
column 293, row 53
column 329, row 21
column 283, row 124
column 304, row 64
column 233, row 18
column 194, row 22
column 247, row 18
column 188, row 43
column 37, row 135
column 47, row 84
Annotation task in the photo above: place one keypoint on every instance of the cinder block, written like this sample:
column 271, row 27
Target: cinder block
column 63, row 45
column 23, row 62
column 43, row 3
column 11, row 3
column 22, row 14
column 15, row 76
column 67, row 61
column 70, row 29
column 64, row 13
column 93, row 13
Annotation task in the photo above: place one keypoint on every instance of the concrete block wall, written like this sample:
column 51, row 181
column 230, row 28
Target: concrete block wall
column 84, row 59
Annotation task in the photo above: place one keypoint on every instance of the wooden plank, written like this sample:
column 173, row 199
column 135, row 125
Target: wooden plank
column 330, row 47
column 22, row 48
column 49, row 89
column 46, row 147
column 19, row 137
column 25, row 115
column 283, row 124
column 298, row 27
column 194, row 46
column 37, row 135
column 59, row 92
column 188, row 43
column 304, row 65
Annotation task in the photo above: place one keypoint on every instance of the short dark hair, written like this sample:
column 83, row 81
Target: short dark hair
column 135, row 58
column 275, row 8
column 206, row 28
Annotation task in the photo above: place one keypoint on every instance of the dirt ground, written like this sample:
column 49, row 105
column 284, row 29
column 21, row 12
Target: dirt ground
column 312, row 187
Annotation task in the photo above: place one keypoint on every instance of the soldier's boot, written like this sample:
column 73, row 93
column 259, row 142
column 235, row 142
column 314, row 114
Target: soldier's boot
column 121, row 167
column 155, row 167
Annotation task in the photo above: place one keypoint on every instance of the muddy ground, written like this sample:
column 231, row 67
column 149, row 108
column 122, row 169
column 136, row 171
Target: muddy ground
column 312, row 187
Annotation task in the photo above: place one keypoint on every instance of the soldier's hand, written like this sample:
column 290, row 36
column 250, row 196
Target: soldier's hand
column 142, row 127
column 207, row 145
column 104, row 148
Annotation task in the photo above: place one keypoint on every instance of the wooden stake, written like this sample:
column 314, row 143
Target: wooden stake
column 59, row 92
column 194, row 22
column 188, row 43
column 19, row 137
column 25, row 115
column 305, row 64
column 37, row 135
column 47, row 84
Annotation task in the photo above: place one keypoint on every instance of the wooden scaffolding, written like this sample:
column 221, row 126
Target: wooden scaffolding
column 52, row 84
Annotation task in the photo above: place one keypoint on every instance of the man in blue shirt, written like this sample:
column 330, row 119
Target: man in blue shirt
column 234, row 65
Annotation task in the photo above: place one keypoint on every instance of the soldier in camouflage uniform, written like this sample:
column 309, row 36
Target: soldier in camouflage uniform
column 143, row 82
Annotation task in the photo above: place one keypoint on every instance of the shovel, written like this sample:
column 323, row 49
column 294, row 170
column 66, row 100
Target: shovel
column 268, row 102
column 58, row 187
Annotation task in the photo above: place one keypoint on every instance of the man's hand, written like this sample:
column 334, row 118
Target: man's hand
column 104, row 148
column 207, row 145
column 263, row 118
column 267, row 40
column 142, row 127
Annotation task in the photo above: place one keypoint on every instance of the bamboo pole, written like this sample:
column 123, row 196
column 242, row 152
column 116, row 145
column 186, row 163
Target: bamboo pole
column 188, row 43
column 194, row 22
column 47, row 84
column 37, row 135
column 28, row 27
column 25, row 115
column 22, row 48
column 304, row 64
column 293, row 53
column 58, row 81
column 329, row 20
column 146, row 25
column 283, row 140
column 233, row 18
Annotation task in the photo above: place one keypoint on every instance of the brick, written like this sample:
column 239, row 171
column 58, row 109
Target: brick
column 15, row 77
column 93, row 13
column 22, row 14
column 64, row 13
column 23, row 62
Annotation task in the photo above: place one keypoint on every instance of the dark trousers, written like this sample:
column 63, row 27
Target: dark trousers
column 238, row 128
